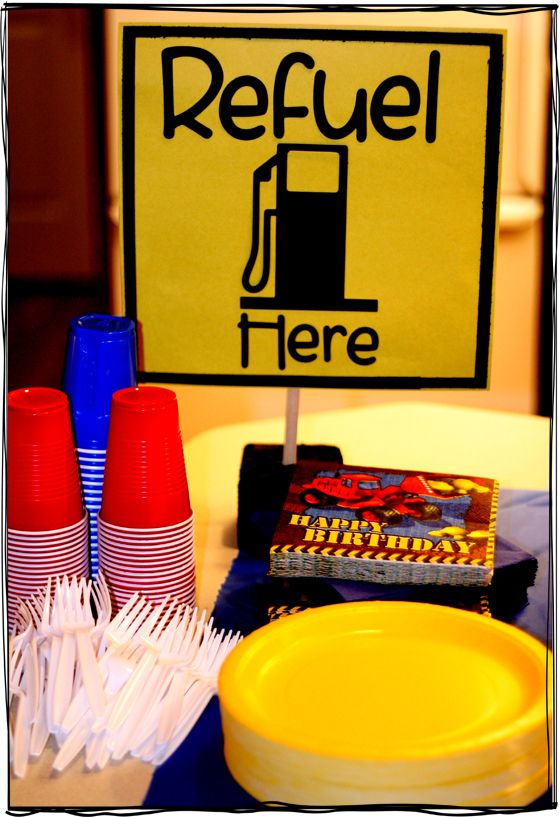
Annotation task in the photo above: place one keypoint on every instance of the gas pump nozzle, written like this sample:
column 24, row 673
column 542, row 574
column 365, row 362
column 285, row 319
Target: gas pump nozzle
column 263, row 173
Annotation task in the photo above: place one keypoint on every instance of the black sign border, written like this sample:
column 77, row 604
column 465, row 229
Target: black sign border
column 492, row 40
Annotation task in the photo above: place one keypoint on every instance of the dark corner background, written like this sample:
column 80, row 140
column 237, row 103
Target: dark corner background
column 57, row 253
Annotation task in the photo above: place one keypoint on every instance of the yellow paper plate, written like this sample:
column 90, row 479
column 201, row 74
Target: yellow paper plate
column 366, row 694
column 522, row 793
column 268, row 778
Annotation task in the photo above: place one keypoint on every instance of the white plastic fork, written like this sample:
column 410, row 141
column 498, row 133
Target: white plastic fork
column 41, row 645
column 121, row 667
column 176, row 665
column 76, row 619
column 115, row 637
column 197, row 696
column 103, row 607
column 115, row 666
column 20, row 734
column 81, row 733
column 39, row 729
column 183, row 668
column 54, row 647
column 140, row 693
column 16, row 647
column 32, row 686
column 63, row 680
column 192, row 687
column 184, row 675
column 134, row 684
column 20, row 637
column 20, row 731
column 23, row 622
column 124, row 648
column 23, row 681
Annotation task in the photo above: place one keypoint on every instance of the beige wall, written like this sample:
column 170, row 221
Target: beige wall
column 514, row 361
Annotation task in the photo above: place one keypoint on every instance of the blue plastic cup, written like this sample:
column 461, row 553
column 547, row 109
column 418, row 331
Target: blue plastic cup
column 100, row 360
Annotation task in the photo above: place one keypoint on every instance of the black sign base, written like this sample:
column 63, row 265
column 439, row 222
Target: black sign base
column 263, row 487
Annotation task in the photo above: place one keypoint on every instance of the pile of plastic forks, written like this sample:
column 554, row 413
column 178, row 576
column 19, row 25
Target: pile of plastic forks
column 135, row 684
column 52, row 653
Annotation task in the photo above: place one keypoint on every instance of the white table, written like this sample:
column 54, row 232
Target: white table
column 512, row 448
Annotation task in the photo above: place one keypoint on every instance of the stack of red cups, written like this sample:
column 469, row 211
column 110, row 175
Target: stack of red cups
column 145, row 526
column 47, row 521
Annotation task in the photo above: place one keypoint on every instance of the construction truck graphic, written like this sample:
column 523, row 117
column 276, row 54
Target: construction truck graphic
column 363, row 493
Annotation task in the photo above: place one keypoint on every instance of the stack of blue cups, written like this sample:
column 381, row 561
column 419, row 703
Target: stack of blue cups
column 100, row 360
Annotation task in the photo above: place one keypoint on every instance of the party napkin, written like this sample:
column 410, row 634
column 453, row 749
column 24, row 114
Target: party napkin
column 386, row 526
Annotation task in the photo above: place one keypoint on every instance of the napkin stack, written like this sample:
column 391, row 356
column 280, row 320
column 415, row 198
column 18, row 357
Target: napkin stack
column 386, row 526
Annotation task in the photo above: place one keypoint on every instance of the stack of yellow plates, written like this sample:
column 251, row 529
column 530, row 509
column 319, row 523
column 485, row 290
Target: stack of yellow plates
column 388, row 702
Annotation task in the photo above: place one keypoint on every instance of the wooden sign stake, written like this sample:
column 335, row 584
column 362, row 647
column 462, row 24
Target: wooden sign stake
column 290, row 439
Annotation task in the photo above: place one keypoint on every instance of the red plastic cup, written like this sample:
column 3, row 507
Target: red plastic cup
column 145, row 539
column 50, row 538
column 145, row 534
column 44, row 490
column 119, row 597
column 183, row 592
column 145, row 482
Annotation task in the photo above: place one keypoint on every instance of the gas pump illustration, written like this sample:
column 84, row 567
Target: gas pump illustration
column 308, row 255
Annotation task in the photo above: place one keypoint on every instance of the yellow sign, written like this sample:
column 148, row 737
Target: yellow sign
column 311, row 207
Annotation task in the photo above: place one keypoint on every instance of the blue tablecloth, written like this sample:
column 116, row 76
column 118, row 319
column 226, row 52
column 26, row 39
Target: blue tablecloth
column 196, row 776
